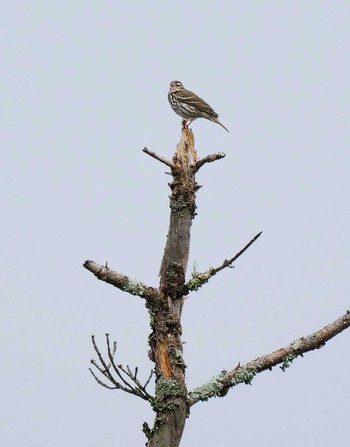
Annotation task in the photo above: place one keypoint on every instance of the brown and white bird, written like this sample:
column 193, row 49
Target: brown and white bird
column 190, row 106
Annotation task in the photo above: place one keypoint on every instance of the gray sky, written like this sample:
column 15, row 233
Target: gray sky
column 83, row 90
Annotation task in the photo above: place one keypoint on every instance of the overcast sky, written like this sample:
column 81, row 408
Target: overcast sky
column 83, row 89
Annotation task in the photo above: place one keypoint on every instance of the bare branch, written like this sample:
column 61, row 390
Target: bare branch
column 219, row 385
column 99, row 381
column 138, row 390
column 97, row 366
column 122, row 282
column 228, row 262
column 115, row 367
column 198, row 279
column 149, row 379
column 147, row 431
column 105, row 371
column 139, row 387
column 158, row 157
column 208, row 159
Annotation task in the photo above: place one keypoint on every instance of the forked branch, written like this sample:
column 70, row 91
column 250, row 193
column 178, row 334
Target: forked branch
column 120, row 378
column 219, row 385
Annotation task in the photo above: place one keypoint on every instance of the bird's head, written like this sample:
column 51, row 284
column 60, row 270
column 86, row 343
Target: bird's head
column 175, row 86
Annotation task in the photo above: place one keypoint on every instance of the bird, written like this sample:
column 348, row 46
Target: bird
column 190, row 106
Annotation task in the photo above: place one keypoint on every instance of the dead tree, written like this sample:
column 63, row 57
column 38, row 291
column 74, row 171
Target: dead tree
column 172, row 401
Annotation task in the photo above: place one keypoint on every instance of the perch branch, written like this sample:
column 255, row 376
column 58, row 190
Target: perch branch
column 122, row 282
column 220, row 385
column 208, row 159
column 198, row 279
column 158, row 157
column 119, row 383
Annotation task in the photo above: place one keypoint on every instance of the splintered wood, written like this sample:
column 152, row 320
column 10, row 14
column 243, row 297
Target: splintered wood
column 185, row 149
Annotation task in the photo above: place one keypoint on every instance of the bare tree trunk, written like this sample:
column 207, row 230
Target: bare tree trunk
column 165, row 340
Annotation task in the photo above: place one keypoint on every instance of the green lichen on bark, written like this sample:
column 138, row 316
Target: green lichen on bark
column 198, row 279
column 243, row 375
column 166, row 390
column 296, row 344
column 212, row 388
column 288, row 359
column 134, row 287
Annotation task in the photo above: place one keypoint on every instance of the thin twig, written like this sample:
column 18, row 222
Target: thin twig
column 97, row 366
column 106, row 371
column 141, row 388
column 228, row 262
column 138, row 390
column 158, row 157
column 198, row 279
column 115, row 367
column 148, row 380
column 99, row 381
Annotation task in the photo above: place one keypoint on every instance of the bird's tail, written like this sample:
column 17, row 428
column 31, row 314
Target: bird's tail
column 218, row 122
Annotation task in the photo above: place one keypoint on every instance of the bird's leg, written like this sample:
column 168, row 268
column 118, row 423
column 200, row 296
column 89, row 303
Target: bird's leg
column 184, row 124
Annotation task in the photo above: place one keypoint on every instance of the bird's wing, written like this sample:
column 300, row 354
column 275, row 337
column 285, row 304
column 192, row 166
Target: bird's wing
column 192, row 99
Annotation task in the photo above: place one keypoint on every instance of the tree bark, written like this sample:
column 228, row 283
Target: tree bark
column 171, row 403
